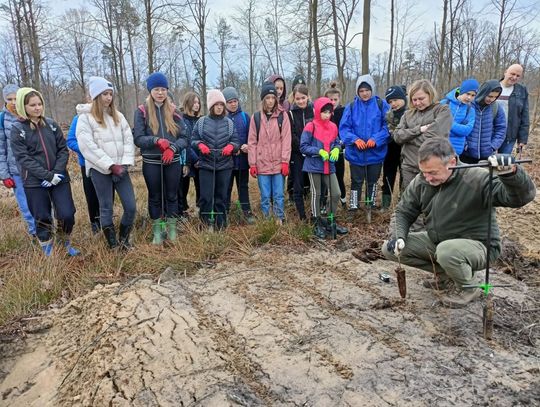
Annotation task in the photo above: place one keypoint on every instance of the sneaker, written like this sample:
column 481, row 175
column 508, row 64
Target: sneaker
column 249, row 218
column 462, row 298
column 343, row 202
column 341, row 230
column 437, row 284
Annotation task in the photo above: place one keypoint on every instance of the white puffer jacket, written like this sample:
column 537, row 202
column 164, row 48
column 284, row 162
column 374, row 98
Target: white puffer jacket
column 104, row 146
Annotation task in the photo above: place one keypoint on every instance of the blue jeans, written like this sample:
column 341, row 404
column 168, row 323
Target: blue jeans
column 272, row 186
column 105, row 186
column 507, row 147
column 23, row 205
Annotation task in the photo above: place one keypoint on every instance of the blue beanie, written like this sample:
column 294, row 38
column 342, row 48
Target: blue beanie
column 469, row 85
column 157, row 80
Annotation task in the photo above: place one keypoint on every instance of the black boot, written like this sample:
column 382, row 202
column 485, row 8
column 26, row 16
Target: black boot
column 341, row 230
column 110, row 235
column 123, row 236
column 320, row 230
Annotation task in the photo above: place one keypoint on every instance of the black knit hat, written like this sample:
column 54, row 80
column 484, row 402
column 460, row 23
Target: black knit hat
column 298, row 80
column 268, row 88
column 395, row 92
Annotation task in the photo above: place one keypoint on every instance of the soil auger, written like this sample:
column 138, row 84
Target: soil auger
column 489, row 306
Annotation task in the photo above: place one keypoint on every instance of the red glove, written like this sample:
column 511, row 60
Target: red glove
column 9, row 182
column 361, row 144
column 227, row 150
column 203, row 148
column 253, row 172
column 167, row 156
column 284, row 169
column 117, row 170
column 371, row 143
column 163, row 144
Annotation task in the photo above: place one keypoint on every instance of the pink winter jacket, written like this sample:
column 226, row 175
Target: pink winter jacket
column 271, row 148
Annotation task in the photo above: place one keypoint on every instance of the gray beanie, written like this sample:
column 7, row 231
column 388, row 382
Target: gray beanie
column 8, row 90
column 230, row 93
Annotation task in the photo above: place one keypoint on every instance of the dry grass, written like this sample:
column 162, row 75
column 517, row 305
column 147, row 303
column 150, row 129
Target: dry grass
column 29, row 282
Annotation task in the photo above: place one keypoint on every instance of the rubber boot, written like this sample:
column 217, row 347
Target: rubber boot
column 319, row 230
column 171, row 229
column 353, row 201
column 110, row 236
column 71, row 251
column 47, row 247
column 386, row 201
column 156, row 229
column 123, row 237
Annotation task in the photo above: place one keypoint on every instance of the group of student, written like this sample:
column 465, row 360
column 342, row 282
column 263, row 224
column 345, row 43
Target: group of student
column 289, row 136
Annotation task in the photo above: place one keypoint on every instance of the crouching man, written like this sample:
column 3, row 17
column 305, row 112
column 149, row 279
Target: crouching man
column 455, row 207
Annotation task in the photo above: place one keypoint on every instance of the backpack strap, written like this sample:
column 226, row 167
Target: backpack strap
column 257, row 118
column 2, row 119
column 280, row 121
column 142, row 108
column 380, row 104
column 494, row 110
column 200, row 125
column 245, row 116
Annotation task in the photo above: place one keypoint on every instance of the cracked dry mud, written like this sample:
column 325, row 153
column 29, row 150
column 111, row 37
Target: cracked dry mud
column 283, row 328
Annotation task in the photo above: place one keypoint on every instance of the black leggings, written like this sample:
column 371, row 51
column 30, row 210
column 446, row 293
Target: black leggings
column 162, row 203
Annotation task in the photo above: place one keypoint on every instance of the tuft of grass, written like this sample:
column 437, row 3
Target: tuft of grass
column 266, row 230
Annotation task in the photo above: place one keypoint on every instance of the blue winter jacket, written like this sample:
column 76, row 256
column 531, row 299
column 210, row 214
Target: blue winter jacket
column 463, row 123
column 488, row 132
column 72, row 142
column 312, row 141
column 365, row 120
column 241, row 125
column 8, row 164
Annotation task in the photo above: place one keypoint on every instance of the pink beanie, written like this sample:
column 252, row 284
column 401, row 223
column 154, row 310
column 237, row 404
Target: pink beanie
column 214, row 96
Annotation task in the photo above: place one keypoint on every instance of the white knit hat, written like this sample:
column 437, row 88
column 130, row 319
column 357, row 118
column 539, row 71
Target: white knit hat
column 98, row 85
column 214, row 96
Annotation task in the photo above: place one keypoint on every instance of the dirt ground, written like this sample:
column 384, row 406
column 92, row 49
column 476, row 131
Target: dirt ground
column 311, row 325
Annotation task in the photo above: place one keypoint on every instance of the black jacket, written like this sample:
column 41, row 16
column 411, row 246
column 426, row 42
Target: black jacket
column 299, row 118
column 216, row 133
column 40, row 152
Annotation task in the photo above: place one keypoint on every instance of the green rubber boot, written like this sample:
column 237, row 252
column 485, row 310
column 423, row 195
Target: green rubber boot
column 386, row 201
column 171, row 228
column 156, row 229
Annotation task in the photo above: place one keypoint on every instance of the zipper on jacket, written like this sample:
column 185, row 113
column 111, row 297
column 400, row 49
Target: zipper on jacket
column 44, row 148
column 160, row 122
column 480, row 131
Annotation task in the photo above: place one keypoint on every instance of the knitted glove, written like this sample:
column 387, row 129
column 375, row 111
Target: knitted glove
column 163, row 144
column 167, row 156
column 9, row 182
column 284, row 169
column 56, row 179
column 203, row 148
column 117, row 170
column 253, row 172
column 227, row 150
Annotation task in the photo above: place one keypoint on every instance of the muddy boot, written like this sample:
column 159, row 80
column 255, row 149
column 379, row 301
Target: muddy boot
column 341, row 230
column 461, row 298
column 320, row 228
column 171, row 229
column 47, row 247
column 440, row 282
column 156, row 230
column 353, row 201
column 110, row 236
column 123, row 236
column 386, row 201
column 95, row 227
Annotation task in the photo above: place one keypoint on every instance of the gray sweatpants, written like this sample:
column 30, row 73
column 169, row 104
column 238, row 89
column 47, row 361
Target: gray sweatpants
column 316, row 180
column 457, row 259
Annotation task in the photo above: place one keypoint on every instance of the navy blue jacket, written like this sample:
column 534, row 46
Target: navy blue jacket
column 241, row 124
column 518, row 115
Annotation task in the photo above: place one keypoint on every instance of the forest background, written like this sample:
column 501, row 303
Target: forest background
column 200, row 44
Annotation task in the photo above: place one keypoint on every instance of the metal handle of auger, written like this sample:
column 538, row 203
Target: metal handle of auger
column 488, row 310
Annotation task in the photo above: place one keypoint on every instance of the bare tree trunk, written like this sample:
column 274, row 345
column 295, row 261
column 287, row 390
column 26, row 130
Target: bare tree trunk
column 365, row 36
column 133, row 65
column 200, row 15
column 391, row 52
column 318, row 62
column 443, row 43
column 341, row 79
column 310, row 44
column 149, row 34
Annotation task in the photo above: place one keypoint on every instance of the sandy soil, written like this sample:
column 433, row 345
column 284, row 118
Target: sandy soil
column 307, row 327
column 287, row 327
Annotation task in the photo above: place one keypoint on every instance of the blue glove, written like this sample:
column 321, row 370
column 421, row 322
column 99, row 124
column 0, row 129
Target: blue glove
column 46, row 184
column 56, row 179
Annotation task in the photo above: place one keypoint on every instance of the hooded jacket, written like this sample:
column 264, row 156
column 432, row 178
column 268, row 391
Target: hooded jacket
column 41, row 151
column 408, row 134
column 103, row 146
column 463, row 123
column 283, row 102
column 488, row 132
column 457, row 209
column 319, row 135
column 241, row 125
column 299, row 118
column 271, row 147
column 8, row 164
column 214, row 132
column 365, row 120
column 145, row 138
